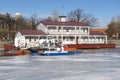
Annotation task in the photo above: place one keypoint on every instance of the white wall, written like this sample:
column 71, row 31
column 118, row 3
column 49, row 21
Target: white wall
column 20, row 41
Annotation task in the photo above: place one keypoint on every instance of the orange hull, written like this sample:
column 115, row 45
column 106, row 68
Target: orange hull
column 9, row 47
column 18, row 53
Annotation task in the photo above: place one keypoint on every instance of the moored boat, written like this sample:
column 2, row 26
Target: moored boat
column 56, row 51
column 91, row 46
column 8, row 47
column 15, row 52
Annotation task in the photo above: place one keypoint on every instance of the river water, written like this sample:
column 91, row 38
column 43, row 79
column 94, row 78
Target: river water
column 97, row 64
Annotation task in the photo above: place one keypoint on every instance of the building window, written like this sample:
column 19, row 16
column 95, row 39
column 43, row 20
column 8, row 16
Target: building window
column 77, row 28
column 84, row 38
column 67, row 30
column 84, row 29
column 59, row 37
column 29, row 39
column 51, row 28
column 59, row 27
column 91, row 38
column 42, row 37
column 71, row 38
column 35, row 39
column 55, row 37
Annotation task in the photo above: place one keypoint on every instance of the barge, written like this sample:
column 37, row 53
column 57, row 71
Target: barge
column 91, row 46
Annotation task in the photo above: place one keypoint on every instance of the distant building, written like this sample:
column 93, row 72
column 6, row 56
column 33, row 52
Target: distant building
column 17, row 15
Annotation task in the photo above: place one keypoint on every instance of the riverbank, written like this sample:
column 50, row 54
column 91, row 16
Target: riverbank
column 117, row 42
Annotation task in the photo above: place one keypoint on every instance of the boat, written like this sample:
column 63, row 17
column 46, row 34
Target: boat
column 59, row 53
column 91, row 46
column 8, row 47
column 52, row 51
column 15, row 52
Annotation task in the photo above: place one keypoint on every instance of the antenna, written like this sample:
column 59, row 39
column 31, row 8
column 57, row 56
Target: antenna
column 63, row 10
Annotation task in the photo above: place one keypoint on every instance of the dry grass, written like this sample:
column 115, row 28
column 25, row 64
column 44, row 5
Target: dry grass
column 2, row 43
column 117, row 42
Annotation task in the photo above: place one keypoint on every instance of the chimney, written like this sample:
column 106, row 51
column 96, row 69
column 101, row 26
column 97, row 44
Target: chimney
column 62, row 18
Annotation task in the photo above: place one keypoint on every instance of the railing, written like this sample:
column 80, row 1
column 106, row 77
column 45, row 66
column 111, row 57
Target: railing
column 65, row 32
column 90, row 42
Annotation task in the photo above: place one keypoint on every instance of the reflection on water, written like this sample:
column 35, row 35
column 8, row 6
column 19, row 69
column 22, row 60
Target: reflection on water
column 98, row 64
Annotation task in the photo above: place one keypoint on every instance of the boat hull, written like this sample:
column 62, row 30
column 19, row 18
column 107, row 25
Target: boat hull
column 14, row 53
column 8, row 47
column 60, row 53
column 91, row 46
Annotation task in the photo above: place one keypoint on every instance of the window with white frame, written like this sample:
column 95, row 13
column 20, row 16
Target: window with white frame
column 77, row 28
column 91, row 38
column 68, row 28
column 59, row 28
column 84, row 29
column 52, row 28
column 84, row 38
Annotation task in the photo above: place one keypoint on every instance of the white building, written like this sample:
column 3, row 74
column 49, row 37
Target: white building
column 66, row 32
column 29, row 38
column 72, row 32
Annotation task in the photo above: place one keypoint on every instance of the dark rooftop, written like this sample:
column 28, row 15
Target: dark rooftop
column 64, row 23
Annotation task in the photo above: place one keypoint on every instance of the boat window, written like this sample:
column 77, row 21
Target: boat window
column 50, row 49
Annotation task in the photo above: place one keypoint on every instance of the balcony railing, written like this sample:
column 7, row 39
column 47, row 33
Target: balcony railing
column 66, row 32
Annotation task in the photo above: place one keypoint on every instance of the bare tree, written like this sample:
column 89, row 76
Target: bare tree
column 33, row 21
column 9, row 21
column 79, row 16
column 21, row 23
column 112, row 28
column 1, row 22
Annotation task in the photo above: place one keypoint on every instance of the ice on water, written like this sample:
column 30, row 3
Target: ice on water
column 98, row 64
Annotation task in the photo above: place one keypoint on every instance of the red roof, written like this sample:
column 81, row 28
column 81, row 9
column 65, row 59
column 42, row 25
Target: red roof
column 64, row 23
column 32, row 32
column 97, row 33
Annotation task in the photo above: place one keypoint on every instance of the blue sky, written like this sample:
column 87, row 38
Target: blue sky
column 104, row 10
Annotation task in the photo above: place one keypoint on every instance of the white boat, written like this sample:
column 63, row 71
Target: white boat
column 58, row 52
